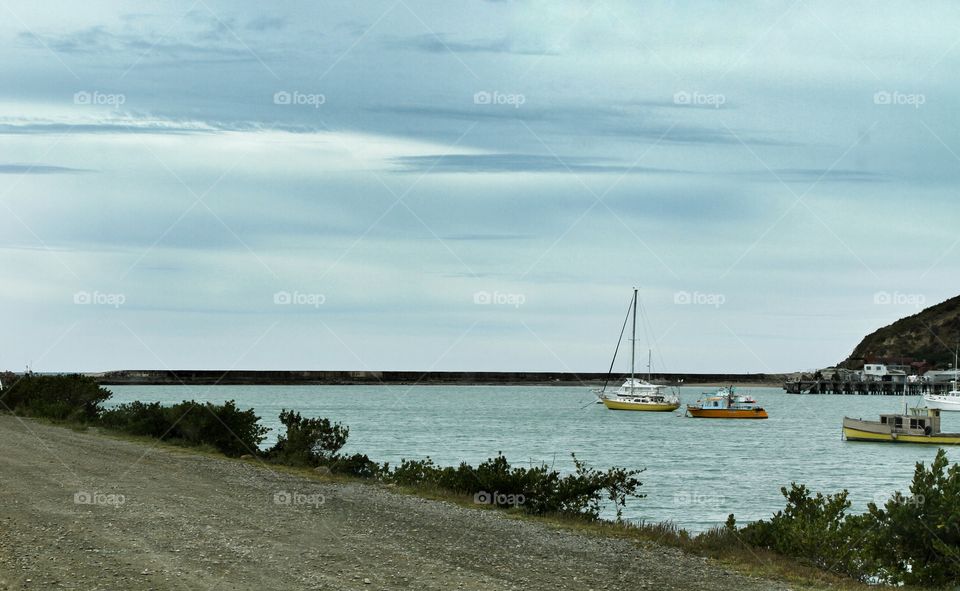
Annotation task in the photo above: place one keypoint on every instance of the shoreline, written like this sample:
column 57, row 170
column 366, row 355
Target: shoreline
column 152, row 516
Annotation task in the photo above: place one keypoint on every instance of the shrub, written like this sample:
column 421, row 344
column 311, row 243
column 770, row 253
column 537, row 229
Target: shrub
column 358, row 465
column 814, row 528
column 223, row 426
column 916, row 539
column 74, row 397
column 540, row 489
column 912, row 540
column 308, row 442
column 138, row 418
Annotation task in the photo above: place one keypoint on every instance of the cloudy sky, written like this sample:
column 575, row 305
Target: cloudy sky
column 471, row 185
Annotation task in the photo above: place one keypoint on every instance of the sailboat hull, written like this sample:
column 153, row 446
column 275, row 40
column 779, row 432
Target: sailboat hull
column 950, row 402
column 726, row 413
column 641, row 406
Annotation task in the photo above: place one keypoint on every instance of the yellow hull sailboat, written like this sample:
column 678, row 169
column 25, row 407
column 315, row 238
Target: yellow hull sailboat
column 647, row 406
column 637, row 394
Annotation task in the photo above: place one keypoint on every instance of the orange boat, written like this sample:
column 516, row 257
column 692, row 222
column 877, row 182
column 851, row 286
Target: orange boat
column 725, row 404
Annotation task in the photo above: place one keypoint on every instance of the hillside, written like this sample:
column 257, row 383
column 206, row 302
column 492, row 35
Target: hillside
column 930, row 335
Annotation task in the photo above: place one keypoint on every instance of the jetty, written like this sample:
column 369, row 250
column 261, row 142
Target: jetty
column 864, row 388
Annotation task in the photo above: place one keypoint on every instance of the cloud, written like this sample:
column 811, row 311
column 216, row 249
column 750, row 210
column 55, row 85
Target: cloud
column 39, row 169
column 817, row 174
column 512, row 163
column 487, row 237
column 600, row 121
column 266, row 23
column 431, row 43
column 211, row 40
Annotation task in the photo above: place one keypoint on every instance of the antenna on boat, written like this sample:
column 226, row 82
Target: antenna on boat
column 633, row 338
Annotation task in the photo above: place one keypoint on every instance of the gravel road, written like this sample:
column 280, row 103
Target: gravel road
column 83, row 511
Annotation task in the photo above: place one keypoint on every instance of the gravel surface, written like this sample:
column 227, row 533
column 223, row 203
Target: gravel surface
column 83, row 511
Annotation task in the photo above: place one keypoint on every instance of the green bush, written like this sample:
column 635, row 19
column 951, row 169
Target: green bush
column 74, row 397
column 358, row 465
column 537, row 490
column 815, row 528
column 916, row 540
column 307, row 442
column 225, row 427
column 912, row 540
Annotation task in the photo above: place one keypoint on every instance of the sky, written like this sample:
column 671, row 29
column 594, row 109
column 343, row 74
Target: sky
column 472, row 185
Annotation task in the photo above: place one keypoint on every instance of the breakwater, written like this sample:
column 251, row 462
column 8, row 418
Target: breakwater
column 333, row 377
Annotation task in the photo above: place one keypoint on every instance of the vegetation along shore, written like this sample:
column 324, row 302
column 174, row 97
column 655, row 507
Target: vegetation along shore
column 116, row 505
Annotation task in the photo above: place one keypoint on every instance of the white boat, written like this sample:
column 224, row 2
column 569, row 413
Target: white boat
column 949, row 401
column 635, row 393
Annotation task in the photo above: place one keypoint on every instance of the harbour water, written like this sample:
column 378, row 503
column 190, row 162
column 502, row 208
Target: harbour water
column 697, row 470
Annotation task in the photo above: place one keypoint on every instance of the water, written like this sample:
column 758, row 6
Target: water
column 697, row 470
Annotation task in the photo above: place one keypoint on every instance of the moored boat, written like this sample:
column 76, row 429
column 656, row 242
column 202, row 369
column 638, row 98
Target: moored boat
column 726, row 404
column 635, row 393
column 949, row 401
column 921, row 425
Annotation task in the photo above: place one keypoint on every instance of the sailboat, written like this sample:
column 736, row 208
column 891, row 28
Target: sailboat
column 636, row 393
column 950, row 400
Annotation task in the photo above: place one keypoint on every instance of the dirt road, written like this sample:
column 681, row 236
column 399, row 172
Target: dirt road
column 83, row 511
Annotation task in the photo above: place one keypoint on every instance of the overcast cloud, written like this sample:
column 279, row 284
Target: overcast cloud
column 471, row 185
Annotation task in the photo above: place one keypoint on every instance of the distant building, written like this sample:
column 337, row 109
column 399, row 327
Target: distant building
column 878, row 372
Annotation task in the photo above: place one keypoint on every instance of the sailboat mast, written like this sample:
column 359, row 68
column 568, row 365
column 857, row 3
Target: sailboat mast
column 633, row 338
column 649, row 364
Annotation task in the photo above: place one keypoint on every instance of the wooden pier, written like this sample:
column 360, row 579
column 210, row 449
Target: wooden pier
column 863, row 388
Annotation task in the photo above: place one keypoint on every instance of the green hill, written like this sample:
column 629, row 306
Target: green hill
column 931, row 335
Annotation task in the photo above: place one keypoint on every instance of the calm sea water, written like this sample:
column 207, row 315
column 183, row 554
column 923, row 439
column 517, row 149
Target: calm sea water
column 697, row 470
